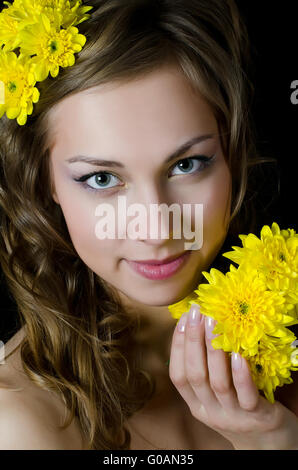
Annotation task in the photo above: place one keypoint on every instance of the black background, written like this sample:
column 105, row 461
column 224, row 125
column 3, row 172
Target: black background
column 274, row 42
column 272, row 28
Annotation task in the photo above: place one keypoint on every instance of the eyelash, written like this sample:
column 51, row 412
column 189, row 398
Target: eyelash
column 206, row 162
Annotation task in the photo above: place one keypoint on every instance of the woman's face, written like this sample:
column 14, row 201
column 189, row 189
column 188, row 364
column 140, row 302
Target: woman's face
column 138, row 125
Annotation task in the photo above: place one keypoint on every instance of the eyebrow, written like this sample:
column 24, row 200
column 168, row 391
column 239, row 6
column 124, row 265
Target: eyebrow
column 111, row 163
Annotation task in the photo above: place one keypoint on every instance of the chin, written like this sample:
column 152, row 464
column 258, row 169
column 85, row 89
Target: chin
column 160, row 299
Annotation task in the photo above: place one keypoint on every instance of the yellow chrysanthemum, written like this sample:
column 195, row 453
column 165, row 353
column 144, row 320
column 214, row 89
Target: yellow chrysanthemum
column 254, row 304
column 243, row 307
column 54, row 48
column 44, row 29
column 182, row 306
column 70, row 13
column 19, row 90
column 275, row 255
column 272, row 365
column 9, row 28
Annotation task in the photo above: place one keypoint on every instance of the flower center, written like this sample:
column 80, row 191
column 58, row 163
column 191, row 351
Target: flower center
column 282, row 257
column 12, row 87
column 243, row 308
column 53, row 46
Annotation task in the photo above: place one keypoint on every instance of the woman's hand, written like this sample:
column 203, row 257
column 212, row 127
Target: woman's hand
column 222, row 394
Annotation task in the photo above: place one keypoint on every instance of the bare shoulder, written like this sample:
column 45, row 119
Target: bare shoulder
column 22, row 428
column 30, row 416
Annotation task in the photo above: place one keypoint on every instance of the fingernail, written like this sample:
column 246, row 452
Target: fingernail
column 194, row 315
column 236, row 361
column 210, row 324
column 182, row 323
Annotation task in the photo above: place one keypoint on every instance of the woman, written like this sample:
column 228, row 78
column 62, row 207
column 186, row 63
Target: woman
column 96, row 331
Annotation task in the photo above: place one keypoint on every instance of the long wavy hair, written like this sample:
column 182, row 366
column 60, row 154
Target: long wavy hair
column 78, row 334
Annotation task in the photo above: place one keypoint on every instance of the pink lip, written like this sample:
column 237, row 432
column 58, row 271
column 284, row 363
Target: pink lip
column 158, row 261
column 152, row 269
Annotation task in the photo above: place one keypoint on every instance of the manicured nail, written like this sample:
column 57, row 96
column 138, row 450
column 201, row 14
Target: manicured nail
column 182, row 323
column 236, row 361
column 210, row 324
column 194, row 315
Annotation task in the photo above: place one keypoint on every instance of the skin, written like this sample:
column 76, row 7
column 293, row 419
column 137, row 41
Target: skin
column 139, row 124
column 223, row 397
column 30, row 415
column 162, row 114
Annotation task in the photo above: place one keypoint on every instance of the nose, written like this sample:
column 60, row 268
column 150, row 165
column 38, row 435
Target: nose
column 159, row 230
column 155, row 217
column 160, row 241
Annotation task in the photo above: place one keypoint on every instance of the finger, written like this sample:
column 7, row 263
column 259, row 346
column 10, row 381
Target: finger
column 196, row 360
column 176, row 366
column 247, row 392
column 220, row 374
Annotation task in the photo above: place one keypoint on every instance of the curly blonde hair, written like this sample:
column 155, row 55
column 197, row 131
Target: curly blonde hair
column 78, row 334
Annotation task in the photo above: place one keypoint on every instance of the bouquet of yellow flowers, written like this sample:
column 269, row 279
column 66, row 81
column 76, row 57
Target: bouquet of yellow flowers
column 254, row 304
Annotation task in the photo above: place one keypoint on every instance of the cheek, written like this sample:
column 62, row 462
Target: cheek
column 216, row 210
column 217, row 203
column 81, row 221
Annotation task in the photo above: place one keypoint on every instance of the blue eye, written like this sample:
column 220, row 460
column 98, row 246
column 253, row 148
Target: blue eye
column 193, row 164
column 102, row 180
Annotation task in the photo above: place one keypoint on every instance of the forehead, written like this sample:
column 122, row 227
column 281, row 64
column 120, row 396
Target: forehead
column 158, row 108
